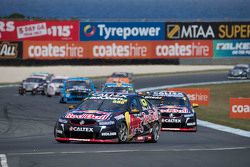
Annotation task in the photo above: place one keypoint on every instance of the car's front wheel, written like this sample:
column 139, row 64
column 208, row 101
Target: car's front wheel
column 122, row 133
column 155, row 133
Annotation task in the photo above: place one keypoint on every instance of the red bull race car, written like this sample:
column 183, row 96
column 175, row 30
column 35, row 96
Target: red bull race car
column 176, row 110
column 110, row 118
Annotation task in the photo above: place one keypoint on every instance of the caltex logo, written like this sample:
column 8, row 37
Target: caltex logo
column 89, row 30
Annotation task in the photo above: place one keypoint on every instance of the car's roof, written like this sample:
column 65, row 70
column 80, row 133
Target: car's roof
column 78, row 79
column 60, row 77
column 242, row 65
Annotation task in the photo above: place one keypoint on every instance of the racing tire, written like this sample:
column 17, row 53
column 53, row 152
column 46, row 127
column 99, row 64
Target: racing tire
column 33, row 92
column 21, row 92
column 62, row 100
column 155, row 133
column 122, row 133
column 49, row 95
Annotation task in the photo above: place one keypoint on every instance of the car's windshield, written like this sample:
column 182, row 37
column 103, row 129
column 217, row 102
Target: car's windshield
column 57, row 81
column 120, row 75
column 35, row 80
column 119, row 89
column 108, row 105
column 72, row 84
column 170, row 101
column 240, row 68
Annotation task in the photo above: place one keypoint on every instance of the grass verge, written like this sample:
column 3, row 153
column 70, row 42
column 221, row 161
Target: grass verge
column 218, row 109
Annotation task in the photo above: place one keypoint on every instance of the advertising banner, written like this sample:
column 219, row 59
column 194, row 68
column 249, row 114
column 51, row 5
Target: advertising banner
column 10, row 50
column 231, row 48
column 199, row 96
column 90, row 31
column 54, row 50
column 207, row 30
column 183, row 49
column 239, row 108
column 39, row 30
column 120, row 50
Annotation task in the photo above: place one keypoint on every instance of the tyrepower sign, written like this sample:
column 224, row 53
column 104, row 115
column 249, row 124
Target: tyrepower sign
column 207, row 30
column 121, row 31
column 231, row 48
column 240, row 108
column 54, row 50
column 39, row 30
column 10, row 50
column 120, row 50
column 183, row 49
column 199, row 96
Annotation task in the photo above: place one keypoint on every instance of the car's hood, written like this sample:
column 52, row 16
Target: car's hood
column 236, row 71
column 122, row 80
column 173, row 109
column 88, row 114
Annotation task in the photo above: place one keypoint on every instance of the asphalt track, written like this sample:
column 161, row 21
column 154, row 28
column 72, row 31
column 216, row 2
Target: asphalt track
column 26, row 136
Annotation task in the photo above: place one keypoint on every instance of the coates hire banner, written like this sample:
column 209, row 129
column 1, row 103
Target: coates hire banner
column 54, row 50
column 183, row 49
column 121, row 31
column 207, row 30
column 10, row 50
column 39, row 30
column 231, row 48
column 240, row 108
column 199, row 96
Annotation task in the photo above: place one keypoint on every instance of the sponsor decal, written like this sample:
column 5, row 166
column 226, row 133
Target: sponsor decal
column 148, row 118
column 86, row 116
column 183, row 49
column 168, row 94
column 121, row 31
column 191, row 124
column 51, row 50
column 189, row 31
column 171, row 120
column 81, row 129
column 108, row 134
column 231, row 48
column 39, row 30
column 120, row 49
column 240, row 108
column 121, row 116
column 175, row 110
column 199, row 96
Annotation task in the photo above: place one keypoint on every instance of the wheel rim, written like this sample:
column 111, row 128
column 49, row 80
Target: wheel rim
column 123, row 132
column 156, row 132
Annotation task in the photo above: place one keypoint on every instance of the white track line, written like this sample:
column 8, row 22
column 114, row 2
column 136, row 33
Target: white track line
column 3, row 160
column 128, row 151
column 205, row 123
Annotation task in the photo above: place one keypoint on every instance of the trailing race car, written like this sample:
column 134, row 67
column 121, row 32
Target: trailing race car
column 110, row 118
column 176, row 111
column 55, row 86
column 240, row 71
column 120, row 77
column 33, row 84
column 76, row 89
column 118, row 88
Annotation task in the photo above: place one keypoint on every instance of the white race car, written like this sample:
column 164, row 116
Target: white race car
column 55, row 85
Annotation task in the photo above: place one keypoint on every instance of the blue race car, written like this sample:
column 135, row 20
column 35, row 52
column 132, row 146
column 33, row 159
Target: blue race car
column 76, row 89
column 123, row 88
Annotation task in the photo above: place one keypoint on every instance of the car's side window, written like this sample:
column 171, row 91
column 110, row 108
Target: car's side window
column 134, row 104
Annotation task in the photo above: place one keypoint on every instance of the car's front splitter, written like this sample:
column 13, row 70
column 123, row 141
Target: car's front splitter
column 88, row 140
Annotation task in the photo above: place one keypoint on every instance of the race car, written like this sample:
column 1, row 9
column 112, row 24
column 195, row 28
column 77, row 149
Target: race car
column 120, row 77
column 110, row 118
column 55, row 85
column 176, row 111
column 240, row 71
column 76, row 89
column 118, row 88
column 34, row 85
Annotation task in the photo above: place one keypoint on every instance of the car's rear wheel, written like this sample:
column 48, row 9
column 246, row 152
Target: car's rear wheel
column 155, row 133
column 122, row 133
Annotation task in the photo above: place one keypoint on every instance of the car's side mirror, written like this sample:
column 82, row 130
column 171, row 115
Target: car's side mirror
column 135, row 110
column 195, row 105
column 71, row 107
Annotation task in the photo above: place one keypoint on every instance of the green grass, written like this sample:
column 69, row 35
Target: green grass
column 218, row 109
